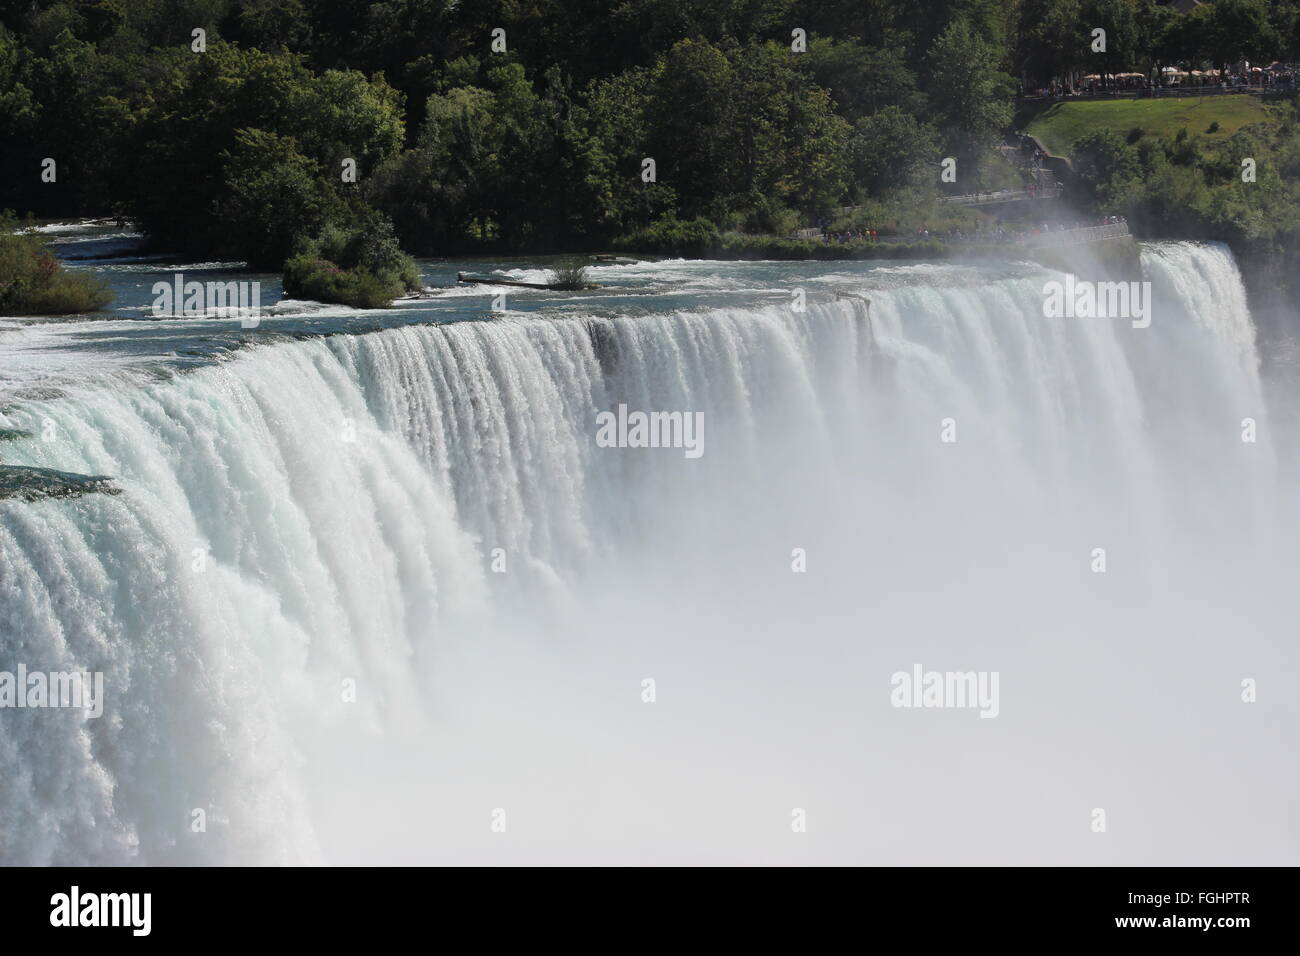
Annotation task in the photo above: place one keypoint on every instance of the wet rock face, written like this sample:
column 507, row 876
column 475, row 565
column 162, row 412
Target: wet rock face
column 33, row 484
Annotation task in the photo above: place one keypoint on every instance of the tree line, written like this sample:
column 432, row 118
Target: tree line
column 227, row 129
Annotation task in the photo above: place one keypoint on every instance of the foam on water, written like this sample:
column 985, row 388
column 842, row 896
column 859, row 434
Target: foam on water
column 421, row 518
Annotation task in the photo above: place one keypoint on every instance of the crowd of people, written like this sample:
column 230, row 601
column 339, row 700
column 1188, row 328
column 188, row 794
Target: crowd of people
column 1001, row 233
column 1238, row 77
column 852, row 235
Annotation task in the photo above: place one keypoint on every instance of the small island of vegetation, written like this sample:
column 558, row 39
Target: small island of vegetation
column 34, row 282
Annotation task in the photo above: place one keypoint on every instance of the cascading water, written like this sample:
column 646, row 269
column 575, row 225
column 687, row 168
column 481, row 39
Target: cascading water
column 360, row 592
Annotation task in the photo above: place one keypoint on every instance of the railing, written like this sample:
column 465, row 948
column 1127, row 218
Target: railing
column 1273, row 89
column 1069, row 237
column 984, row 199
column 1004, row 195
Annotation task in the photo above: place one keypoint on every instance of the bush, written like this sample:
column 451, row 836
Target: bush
column 691, row 237
column 309, row 277
column 363, row 267
column 739, row 246
column 1213, row 127
column 570, row 277
column 1136, row 133
column 906, row 212
column 32, row 281
column 770, row 218
column 373, row 248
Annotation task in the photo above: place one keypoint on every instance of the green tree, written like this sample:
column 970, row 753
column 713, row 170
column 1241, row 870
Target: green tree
column 616, row 141
column 1123, row 36
column 1105, row 166
column 1241, row 30
column 891, row 149
column 274, row 196
column 197, row 177
column 861, row 79
column 970, row 96
column 1053, row 41
column 697, row 151
column 792, row 145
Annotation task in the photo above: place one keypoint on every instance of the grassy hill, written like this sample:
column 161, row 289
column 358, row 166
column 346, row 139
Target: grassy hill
column 1194, row 187
column 1061, row 124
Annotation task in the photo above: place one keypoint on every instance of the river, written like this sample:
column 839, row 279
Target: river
column 371, row 591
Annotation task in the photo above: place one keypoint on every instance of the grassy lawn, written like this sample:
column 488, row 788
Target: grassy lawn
column 1059, row 126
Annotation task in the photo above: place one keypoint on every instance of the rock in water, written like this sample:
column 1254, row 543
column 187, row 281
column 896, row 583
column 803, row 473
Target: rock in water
column 32, row 484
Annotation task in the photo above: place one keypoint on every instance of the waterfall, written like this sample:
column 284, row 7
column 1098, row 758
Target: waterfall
column 351, row 584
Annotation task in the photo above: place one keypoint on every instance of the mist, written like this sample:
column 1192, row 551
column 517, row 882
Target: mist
column 431, row 600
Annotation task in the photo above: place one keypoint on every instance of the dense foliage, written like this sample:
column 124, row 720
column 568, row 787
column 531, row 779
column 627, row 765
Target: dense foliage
column 241, row 149
column 33, row 282
column 362, row 267
column 1182, row 187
